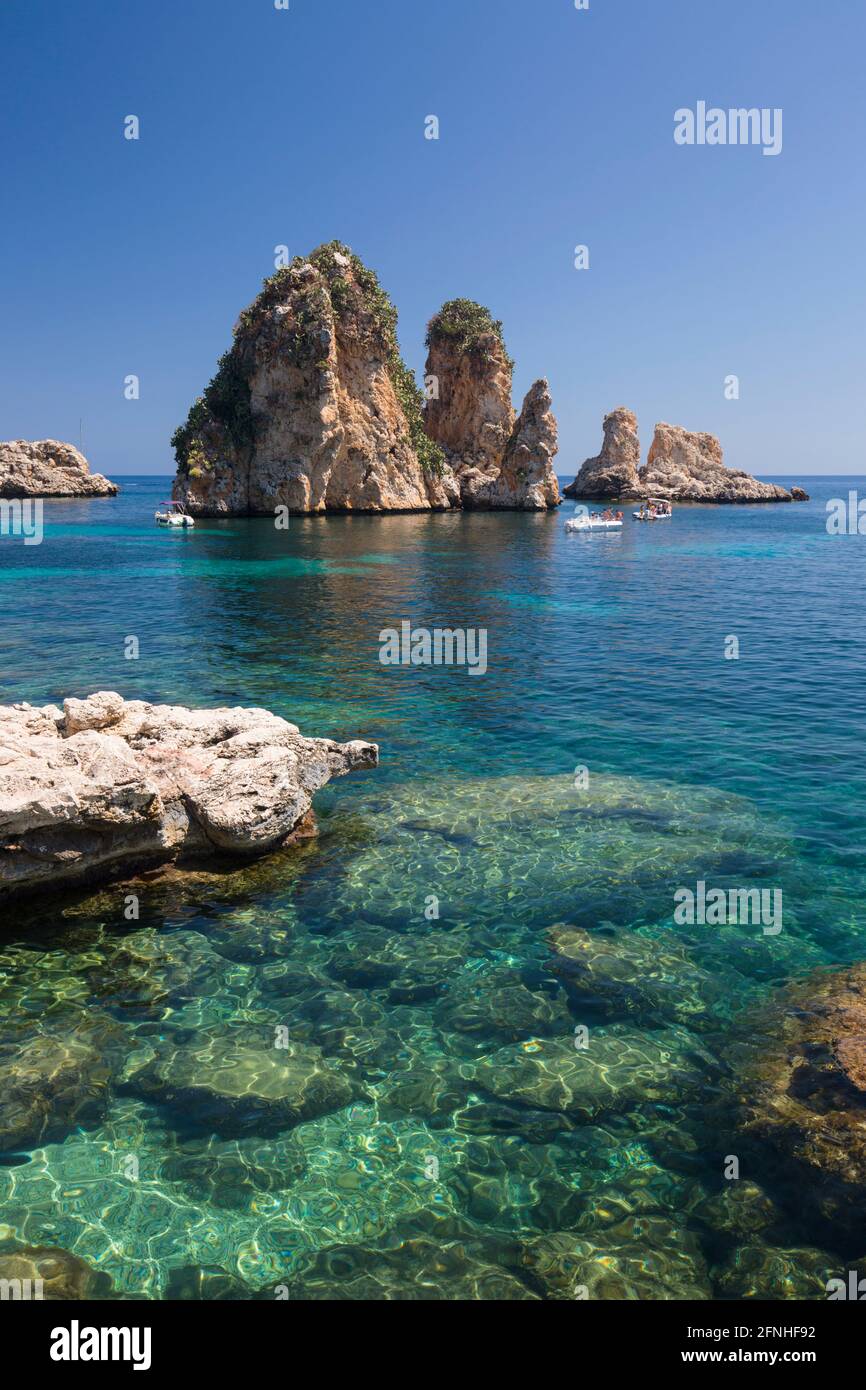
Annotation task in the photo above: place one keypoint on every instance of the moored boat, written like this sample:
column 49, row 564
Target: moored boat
column 174, row 515
column 654, row 509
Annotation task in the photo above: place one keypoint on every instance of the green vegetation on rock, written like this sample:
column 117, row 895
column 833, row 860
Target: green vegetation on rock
column 227, row 400
column 465, row 325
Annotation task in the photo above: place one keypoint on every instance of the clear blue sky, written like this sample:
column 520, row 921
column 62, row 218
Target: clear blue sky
column 261, row 127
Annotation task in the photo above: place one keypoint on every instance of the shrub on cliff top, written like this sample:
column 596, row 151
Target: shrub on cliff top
column 464, row 324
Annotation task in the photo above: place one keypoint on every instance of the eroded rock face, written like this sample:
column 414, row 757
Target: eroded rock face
column 614, row 472
column 498, row 461
column 798, row 494
column 48, row 468
column 106, row 784
column 312, row 407
column 687, row 467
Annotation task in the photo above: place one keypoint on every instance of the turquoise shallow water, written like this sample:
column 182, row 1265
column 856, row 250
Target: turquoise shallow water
column 447, row 1165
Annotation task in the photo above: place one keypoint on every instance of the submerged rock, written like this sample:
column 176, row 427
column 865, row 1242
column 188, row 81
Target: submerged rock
column 48, row 468
column 207, row 1283
column 235, row 1082
column 51, row 1274
column 497, row 460
column 802, row 1093
column 53, row 1083
column 687, row 467
column 619, row 1070
column 643, row 1257
column 613, row 473
column 622, row 974
column 507, row 850
column 110, row 784
column 416, row 1269
column 765, row 1272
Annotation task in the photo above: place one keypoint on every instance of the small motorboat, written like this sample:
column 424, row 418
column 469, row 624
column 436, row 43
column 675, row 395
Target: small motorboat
column 654, row 509
column 585, row 521
column 174, row 515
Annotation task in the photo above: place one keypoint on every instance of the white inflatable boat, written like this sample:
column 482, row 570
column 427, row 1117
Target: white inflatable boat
column 655, row 509
column 591, row 523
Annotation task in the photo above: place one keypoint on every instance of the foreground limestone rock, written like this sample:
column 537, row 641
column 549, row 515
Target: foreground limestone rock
column 613, row 473
column 47, row 468
column 107, row 784
column 497, row 460
column 312, row 407
column 687, row 467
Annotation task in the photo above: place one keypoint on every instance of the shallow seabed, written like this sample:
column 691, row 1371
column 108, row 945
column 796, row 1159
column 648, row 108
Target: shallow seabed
column 466, row 908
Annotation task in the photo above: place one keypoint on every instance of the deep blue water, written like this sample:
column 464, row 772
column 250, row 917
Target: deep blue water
column 605, row 651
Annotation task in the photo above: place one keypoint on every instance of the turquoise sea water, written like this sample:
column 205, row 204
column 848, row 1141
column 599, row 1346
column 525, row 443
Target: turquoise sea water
column 454, row 1170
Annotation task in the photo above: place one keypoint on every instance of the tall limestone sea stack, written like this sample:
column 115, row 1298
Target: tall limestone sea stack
column 48, row 468
column 313, row 408
column 499, row 461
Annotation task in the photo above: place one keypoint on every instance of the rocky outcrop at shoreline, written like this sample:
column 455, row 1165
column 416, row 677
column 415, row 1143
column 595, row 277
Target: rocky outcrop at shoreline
column 497, row 459
column 682, row 466
column 48, row 468
column 106, row 785
column 614, row 472
column 687, row 467
column 313, row 409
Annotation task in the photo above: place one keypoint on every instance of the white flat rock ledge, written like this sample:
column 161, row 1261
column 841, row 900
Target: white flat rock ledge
column 105, row 786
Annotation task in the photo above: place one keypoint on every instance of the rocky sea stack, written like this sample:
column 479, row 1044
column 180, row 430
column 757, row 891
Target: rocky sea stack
column 687, row 467
column 48, row 468
column 681, row 466
column 499, row 460
column 614, row 472
column 313, row 408
column 106, row 785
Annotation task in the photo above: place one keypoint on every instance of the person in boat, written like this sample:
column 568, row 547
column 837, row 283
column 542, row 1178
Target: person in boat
column 618, row 516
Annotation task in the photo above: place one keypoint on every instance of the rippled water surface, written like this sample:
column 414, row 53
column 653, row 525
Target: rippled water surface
column 453, row 1137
